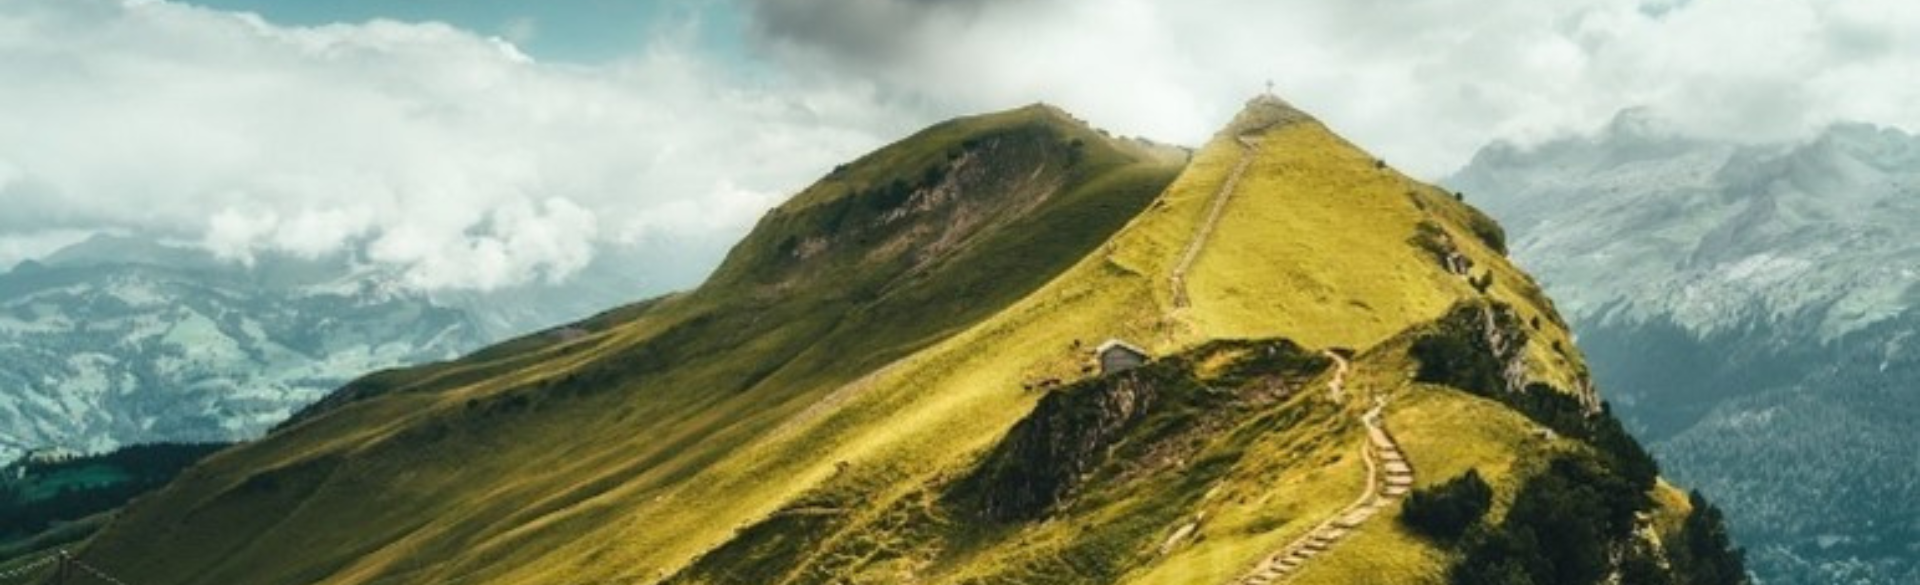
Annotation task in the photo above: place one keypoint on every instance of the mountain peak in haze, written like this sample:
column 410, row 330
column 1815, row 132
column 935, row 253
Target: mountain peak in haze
column 1708, row 232
column 111, row 248
column 1641, row 123
column 1264, row 110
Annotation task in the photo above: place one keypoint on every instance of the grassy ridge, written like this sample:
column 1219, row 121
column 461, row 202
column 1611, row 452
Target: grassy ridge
column 951, row 402
column 804, row 415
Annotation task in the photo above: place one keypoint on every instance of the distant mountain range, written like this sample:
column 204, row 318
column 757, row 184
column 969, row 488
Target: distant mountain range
column 1753, row 312
column 124, row 340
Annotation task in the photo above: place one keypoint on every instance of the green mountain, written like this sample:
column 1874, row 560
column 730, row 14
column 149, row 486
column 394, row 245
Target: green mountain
column 893, row 380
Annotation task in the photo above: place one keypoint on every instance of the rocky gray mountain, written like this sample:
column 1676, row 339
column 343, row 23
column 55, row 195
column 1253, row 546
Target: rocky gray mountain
column 1752, row 312
column 125, row 340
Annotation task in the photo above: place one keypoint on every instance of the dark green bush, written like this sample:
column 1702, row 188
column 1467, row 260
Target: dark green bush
column 1447, row 510
column 1489, row 232
column 1559, row 410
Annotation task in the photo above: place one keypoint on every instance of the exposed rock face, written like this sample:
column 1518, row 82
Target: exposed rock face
column 1075, row 430
column 856, row 223
column 1065, row 438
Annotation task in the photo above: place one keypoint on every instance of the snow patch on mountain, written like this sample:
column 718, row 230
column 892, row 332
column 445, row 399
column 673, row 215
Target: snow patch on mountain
column 123, row 339
column 1636, row 222
column 172, row 348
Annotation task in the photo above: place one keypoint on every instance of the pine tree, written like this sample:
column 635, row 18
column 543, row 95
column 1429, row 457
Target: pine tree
column 1704, row 553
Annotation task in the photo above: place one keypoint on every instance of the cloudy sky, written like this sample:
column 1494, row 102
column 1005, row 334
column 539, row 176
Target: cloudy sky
column 480, row 143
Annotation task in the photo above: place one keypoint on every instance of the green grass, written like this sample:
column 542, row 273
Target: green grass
column 1380, row 553
column 1323, row 231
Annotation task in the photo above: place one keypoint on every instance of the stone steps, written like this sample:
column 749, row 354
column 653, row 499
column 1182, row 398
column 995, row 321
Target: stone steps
column 1380, row 440
column 1389, row 477
column 1355, row 518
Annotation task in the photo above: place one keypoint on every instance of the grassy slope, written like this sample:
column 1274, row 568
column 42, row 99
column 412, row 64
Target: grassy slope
column 615, row 453
column 831, row 418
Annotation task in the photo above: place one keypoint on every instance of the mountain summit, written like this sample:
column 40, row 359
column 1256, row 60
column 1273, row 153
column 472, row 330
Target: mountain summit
column 1322, row 369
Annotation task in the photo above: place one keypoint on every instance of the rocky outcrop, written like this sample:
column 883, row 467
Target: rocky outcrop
column 1066, row 438
column 1476, row 347
column 1136, row 416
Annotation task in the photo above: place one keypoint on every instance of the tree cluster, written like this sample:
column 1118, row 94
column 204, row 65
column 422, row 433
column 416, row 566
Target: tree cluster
column 1563, row 526
column 137, row 470
column 1446, row 511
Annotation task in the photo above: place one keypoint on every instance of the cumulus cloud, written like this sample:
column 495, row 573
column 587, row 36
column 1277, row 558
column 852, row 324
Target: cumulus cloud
column 449, row 155
column 467, row 164
column 1423, row 83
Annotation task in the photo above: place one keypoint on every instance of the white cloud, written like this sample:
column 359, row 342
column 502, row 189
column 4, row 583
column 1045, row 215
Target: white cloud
column 233, row 234
column 445, row 153
column 1423, row 83
column 517, row 242
column 428, row 148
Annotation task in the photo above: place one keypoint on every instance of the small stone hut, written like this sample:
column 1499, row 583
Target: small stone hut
column 1119, row 356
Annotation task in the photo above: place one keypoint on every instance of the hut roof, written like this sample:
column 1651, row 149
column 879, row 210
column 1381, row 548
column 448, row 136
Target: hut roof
column 1116, row 343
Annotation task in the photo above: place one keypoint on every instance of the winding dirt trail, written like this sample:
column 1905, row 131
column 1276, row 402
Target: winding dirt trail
column 1388, row 479
column 1249, row 146
column 1337, row 387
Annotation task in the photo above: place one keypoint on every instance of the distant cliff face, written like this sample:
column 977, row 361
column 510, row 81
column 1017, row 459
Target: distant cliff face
column 120, row 341
column 1753, row 311
column 1639, row 223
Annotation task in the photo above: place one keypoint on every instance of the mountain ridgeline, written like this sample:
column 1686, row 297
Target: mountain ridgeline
column 133, row 339
column 892, row 380
column 121, row 340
